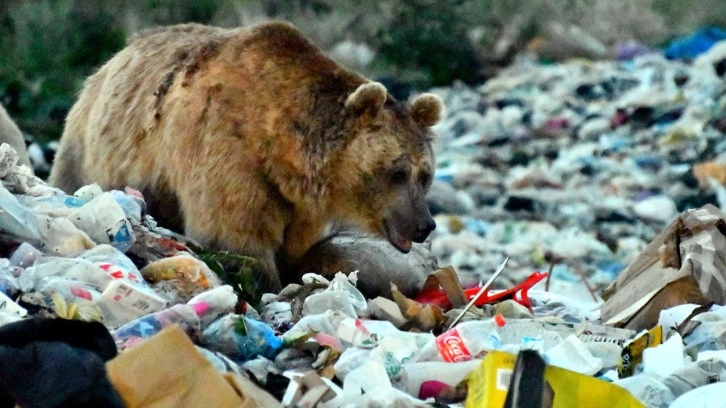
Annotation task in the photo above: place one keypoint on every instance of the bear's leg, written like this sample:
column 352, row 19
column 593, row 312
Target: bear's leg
column 266, row 271
column 67, row 171
column 263, row 268
column 301, row 234
column 163, row 205
column 236, row 216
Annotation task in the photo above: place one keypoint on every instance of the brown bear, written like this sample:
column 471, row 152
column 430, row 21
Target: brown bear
column 264, row 144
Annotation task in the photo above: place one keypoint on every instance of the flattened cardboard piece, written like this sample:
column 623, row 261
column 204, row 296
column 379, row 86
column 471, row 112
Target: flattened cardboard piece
column 686, row 263
column 421, row 317
column 166, row 371
column 252, row 395
column 385, row 309
column 447, row 279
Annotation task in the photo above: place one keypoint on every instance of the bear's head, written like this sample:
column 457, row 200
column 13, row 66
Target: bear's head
column 386, row 169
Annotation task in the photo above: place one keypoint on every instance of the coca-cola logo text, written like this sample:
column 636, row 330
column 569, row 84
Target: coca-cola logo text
column 452, row 348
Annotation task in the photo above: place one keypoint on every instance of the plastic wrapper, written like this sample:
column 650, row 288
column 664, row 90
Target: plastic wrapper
column 57, row 205
column 17, row 221
column 241, row 338
column 424, row 379
column 394, row 349
column 8, row 281
column 276, row 313
column 57, row 236
column 68, row 298
column 88, row 192
column 17, row 178
column 368, row 385
column 665, row 358
column 221, row 300
column 132, row 206
column 320, row 302
column 105, row 254
column 8, row 306
column 707, row 396
column 180, row 277
column 80, row 270
column 122, row 302
column 350, row 331
column 104, row 221
column 187, row 316
column 60, row 237
column 574, row 355
column 340, row 295
column 25, row 255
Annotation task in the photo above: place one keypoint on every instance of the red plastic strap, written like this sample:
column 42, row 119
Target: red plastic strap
column 518, row 293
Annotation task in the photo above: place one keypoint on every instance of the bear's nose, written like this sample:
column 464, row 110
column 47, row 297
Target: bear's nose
column 424, row 229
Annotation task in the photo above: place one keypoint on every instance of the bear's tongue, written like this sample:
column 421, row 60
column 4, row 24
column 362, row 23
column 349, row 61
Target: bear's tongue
column 399, row 241
column 404, row 245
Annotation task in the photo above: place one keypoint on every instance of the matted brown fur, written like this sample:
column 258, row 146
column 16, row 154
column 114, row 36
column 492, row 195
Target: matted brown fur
column 259, row 139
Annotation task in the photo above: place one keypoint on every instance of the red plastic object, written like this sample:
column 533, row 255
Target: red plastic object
column 518, row 293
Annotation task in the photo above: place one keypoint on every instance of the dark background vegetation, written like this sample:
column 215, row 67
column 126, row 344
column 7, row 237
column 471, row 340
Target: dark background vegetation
column 48, row 47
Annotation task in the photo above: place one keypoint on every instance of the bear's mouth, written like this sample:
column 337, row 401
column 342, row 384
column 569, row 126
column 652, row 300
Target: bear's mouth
column 401, row 243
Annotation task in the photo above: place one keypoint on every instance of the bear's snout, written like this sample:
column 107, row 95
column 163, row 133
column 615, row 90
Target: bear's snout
column 424, row 229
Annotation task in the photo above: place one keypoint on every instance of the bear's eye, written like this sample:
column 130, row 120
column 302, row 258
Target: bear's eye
column 425, row 178
column 399, row 176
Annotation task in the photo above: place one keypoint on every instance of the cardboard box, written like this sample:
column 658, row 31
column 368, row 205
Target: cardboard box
column 686, row 263
column 166, row 371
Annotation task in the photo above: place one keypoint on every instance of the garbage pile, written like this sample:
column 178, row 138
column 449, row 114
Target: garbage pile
column 578, row 164
column 562, row 177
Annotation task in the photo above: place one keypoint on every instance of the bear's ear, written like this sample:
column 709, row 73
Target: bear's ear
column 427, row 109
column 368, row 99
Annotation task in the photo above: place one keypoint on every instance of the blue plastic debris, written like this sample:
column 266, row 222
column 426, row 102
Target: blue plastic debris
column 695, row 44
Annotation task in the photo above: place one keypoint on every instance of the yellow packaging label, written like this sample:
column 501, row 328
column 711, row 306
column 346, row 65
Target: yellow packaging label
column 488, row 386
column 632, row 353
column 488, row 383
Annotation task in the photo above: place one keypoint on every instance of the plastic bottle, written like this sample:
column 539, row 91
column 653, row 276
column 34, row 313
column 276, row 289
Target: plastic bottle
column 463, row 342
column 475, row 338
